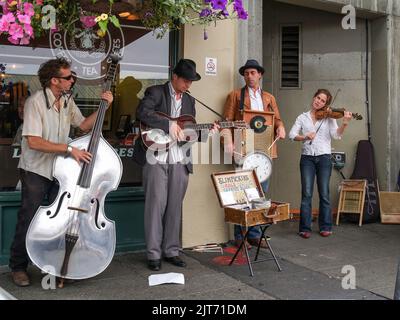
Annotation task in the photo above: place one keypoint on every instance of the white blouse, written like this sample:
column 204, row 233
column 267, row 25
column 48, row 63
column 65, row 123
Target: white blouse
column 322, row 141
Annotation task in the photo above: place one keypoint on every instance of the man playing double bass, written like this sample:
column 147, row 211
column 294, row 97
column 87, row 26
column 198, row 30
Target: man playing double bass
column 48, row 116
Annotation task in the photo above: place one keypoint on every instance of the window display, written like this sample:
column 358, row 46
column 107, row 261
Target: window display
column 145, row 62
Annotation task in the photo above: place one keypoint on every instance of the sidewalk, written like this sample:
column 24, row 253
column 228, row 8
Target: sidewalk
column 312, row 269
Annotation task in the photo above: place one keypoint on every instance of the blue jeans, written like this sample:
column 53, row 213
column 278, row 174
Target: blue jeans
column 311, row 166
column 255, row 232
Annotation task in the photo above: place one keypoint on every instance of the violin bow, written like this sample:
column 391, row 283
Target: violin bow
column 333, row 100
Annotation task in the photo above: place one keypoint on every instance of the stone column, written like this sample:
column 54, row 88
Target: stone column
column 250, row 34
column 393, row 125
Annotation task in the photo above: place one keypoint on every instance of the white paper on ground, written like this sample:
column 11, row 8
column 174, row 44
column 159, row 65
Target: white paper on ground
column 172, row 277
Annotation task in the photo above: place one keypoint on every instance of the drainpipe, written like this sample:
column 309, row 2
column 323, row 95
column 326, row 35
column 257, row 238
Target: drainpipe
column 367, row 78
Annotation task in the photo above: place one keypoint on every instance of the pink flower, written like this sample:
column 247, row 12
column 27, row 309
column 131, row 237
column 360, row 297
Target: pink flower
column 17, row 23
column 12, row 40
column 16, row 31
column 4, row 6
column 28, row 9
column 24, row 40
column 4, row 25
column 5, row 22
column 28, row 30
column 9, row 17
column 39, row 2
column 88, row 21
column 23, row 18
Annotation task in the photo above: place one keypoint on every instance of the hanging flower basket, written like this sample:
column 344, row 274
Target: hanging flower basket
column 171, row 14
column 21, row 21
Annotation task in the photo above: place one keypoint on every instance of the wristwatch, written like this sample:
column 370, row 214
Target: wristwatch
column 69, row 149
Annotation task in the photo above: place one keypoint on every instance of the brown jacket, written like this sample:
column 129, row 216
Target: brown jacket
column 232, row 112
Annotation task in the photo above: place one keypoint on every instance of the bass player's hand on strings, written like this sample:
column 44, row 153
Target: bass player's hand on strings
column 81, row 155
column 107, row 95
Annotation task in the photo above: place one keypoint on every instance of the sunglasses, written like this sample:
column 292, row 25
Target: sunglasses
column 71, row 76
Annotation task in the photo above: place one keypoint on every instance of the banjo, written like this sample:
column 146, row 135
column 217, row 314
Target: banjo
column 158, row 140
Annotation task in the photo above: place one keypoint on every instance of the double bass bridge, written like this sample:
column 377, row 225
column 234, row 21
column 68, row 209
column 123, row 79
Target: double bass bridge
column 78, row 209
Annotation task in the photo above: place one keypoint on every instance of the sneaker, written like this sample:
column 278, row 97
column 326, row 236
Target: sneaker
column 325, row 233
column 305, row 234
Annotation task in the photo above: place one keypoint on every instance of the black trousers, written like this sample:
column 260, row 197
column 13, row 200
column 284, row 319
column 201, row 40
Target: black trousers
column 35, row 189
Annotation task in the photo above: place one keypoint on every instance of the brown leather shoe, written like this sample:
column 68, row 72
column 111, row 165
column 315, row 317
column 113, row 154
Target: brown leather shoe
column 21, row 278
column 255, row 242
column 239, row 242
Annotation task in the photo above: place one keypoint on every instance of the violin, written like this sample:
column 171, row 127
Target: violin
column 326, row 112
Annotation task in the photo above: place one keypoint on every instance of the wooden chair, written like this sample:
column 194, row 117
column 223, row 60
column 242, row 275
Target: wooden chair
column 351, row 199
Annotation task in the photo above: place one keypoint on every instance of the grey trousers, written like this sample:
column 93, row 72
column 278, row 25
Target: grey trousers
column 165, row 187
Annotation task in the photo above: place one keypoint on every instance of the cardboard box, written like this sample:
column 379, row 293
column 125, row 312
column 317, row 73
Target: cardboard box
column 236, row 189
column 390, row 207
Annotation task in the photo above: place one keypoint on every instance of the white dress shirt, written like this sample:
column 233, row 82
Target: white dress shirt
column 175, row 153
column 256, row 102
column 322, row 141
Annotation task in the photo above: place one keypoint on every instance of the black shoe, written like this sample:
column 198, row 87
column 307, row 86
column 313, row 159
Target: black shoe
column 176, row 261
column 154, row 265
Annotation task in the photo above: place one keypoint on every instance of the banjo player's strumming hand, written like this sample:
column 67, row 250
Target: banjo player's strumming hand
column 176, row 132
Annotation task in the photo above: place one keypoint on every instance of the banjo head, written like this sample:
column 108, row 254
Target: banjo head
column 158, row 136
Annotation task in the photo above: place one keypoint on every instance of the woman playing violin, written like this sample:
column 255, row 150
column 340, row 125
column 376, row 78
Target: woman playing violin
column 315, row 160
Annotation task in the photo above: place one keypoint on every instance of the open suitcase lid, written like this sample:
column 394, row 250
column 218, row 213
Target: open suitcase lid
column 237, row 187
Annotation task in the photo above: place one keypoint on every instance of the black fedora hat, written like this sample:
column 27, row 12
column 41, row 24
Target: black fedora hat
column 186, row 69
column 251, row 64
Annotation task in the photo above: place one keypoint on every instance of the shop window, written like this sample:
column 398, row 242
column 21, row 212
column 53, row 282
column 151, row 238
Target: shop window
column 145, row 63
column 290, row 56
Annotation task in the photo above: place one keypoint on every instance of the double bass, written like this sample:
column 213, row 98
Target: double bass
column 72, row 238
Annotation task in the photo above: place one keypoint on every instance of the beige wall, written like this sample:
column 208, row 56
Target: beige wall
column 203, row 219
